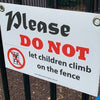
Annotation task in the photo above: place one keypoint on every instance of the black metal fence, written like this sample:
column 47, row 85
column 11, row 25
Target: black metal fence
column 80, row 5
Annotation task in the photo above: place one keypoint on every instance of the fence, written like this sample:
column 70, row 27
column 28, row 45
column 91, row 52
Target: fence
column 80, row 5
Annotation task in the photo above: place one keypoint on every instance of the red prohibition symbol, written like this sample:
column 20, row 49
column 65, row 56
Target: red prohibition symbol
column 10, row 55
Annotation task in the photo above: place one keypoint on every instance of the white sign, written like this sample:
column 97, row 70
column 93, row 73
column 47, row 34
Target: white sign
column 58, row 46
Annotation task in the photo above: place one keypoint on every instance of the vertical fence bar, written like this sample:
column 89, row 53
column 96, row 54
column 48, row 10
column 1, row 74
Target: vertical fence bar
column 18, row 1
column 56, row 4
column 3, row 72
column 85, row 96
column 25, row 77
column 50, row 3
column 90, row 8
column 88, row 4
column 27, row 87
column 53, row 91
column 97, row 5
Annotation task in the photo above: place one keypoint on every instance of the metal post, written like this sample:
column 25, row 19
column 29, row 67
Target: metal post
column 85, row 96
column 53, row 91
column 50, row 4
column 88, row 8
column 56, row 4
column 92, row 6
column 25, row 77
column 69, row 2
column 18, row 1
column 3, row 72
column 97, row 5
column 27, row 87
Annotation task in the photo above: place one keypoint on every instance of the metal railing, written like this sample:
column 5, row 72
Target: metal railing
column 82, row 5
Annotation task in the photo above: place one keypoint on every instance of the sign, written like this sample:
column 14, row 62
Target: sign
column 58, row 46
column 13, row 56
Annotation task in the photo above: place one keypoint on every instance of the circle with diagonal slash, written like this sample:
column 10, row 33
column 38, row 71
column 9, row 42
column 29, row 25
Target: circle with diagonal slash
column 13, row 56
